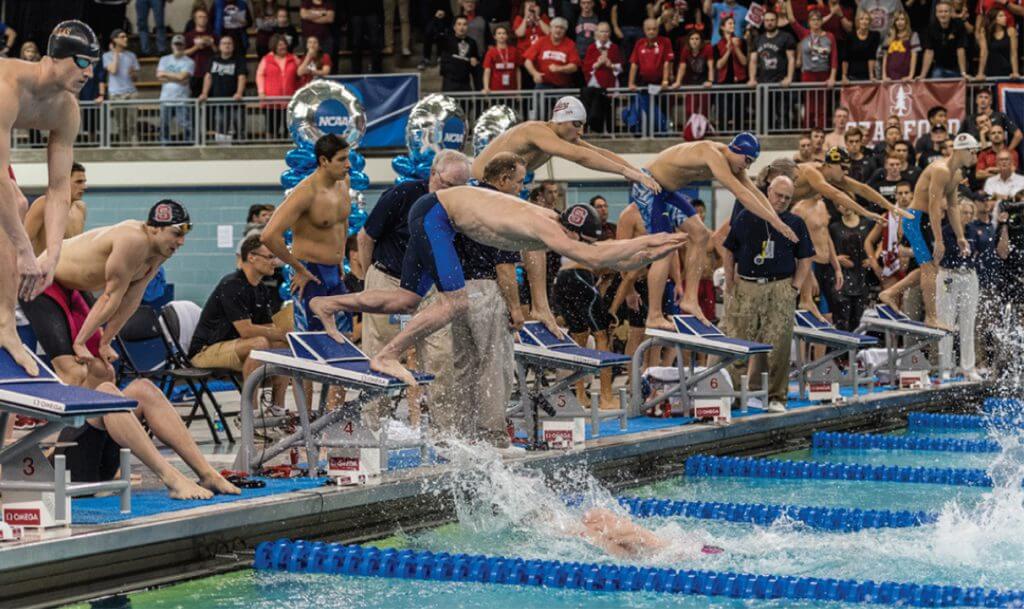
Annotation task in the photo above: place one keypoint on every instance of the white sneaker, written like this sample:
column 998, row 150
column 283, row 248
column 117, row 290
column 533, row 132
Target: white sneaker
column 755, row 403
column 972, row 375
column 776, row 406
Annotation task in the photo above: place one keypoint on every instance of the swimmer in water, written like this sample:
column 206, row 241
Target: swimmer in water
column 622, row 538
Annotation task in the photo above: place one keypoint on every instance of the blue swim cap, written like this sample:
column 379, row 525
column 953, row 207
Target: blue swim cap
column 746, row 143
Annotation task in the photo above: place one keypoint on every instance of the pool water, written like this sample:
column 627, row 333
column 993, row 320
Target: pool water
column 978, row 539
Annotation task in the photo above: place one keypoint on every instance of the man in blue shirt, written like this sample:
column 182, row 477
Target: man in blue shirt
column 122, row 68
column 175, row 71
column 763, row 274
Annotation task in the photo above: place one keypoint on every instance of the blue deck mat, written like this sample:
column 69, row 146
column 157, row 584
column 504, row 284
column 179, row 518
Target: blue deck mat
column 102, row 510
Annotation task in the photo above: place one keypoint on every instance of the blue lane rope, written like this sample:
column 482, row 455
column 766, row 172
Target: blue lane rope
column 933, row 420
column 924, row 443
column 745, row 467
column 339, row 559
column 824, row 518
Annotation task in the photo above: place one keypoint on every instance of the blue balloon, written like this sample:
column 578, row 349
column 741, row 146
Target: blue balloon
column 402, row 165
column 357, row 160
column 419, row 156
column 285, row 290
column 404, row 179
column 300, row 159
column 290, row 178
column 422, row 170
column 358, row 180
column 356, row 219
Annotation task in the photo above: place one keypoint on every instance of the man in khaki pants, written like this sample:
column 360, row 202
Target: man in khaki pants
column 382, row 244
column 482, row 339
column 763, row 275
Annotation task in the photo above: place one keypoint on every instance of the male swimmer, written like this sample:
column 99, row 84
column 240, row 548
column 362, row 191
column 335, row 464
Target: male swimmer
column 493, row 219
column 935, row 196
column 39, row 95
column 665, row 211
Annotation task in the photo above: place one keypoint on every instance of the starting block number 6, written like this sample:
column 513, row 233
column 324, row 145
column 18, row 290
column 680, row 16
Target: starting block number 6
column 713, row 383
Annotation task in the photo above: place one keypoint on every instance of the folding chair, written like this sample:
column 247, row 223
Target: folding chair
column 146, row 352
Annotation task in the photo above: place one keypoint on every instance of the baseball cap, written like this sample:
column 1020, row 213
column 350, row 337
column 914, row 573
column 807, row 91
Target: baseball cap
column 965, row 141
column 169, row 212
column 568, row 109
column 582, row 219
column 837, row 156
column 178, row 39
column 747, row 144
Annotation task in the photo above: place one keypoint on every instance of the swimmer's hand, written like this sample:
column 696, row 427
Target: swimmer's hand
column 633, row 301
column 638, row 176
column 904, row 213
column 876, row 218
column 784, row 228
column 301, row 277
column 548, row 319
column 82, row 353
column 322, row 307
column 965, row 247
column 32, row 277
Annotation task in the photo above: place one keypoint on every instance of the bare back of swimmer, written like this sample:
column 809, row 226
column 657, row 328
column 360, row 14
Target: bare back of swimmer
column 538, row 141
column 41, row 95
column 493, row 219
column 622, row 538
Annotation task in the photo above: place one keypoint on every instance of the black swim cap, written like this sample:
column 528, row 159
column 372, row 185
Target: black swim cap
column 73, row 39
column 168, row 212
column 583, row 220
column 837, row 156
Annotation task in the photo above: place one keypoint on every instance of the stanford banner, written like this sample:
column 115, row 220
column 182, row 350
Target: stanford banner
column 871, row 105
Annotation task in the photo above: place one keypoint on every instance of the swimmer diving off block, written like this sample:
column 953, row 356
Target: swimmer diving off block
column 493, row 219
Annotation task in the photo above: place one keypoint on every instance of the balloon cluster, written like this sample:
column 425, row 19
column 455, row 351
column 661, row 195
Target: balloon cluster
column 435, row 123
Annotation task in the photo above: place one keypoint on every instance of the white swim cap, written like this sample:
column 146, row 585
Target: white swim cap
column 567, row 110
column 965, row 141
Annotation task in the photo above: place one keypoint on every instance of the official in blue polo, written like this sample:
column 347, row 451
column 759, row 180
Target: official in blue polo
column 382, row 243
column 763, row 275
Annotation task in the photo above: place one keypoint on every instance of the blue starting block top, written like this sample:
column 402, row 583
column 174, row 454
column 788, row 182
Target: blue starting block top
column 811, row 328
column 540, row 343
column 46, row 394
column 900, row 321
column 318, row 353
column 696, row 335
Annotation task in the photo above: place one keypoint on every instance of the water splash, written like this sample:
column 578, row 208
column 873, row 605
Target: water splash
column 502, row 503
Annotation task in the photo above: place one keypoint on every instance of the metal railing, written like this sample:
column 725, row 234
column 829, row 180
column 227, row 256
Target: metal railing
column 767, row 109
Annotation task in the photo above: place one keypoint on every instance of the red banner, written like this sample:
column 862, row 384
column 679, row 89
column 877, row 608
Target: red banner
column 871, row 105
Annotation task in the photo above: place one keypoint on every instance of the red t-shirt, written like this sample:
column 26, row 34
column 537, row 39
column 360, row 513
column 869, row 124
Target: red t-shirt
column 545, row 54
column 533, row 33
column 650, row 56
column 325, row 60
column 504, row 65
column 605, row 76
column 739, row 71
column 984, row 6
column 987, row 159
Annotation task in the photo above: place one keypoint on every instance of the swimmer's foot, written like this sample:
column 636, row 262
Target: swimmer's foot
column 609, row 403
column 10, row 341
column 391, row 367
column 659, row 322
column 180, row 487
column 938, row 325
column 692, row 308
column 216, row 483
column 890, row 298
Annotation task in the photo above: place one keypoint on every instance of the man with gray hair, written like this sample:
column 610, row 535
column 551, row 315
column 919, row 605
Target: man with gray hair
column 553, row 60
column 763, row 274
column 381, row 247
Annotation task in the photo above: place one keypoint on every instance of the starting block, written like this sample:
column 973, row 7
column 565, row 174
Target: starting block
column 355, row 453
column 820, row 378
column 36, row 493
column 700, row 392
column 905, row 367
column 552, row 414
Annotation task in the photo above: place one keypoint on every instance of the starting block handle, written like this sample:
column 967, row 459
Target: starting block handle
column 126, row 477
column 60, row 488
column 623, row 405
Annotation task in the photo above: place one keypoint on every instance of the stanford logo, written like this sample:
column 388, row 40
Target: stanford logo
column 577, row 217
column 163, row 213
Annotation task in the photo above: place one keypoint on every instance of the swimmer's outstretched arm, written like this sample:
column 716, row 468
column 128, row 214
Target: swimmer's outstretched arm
column 625, row 255
column 748, row 195
column 823, row 188
column 866, row 192
column 589, row 157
